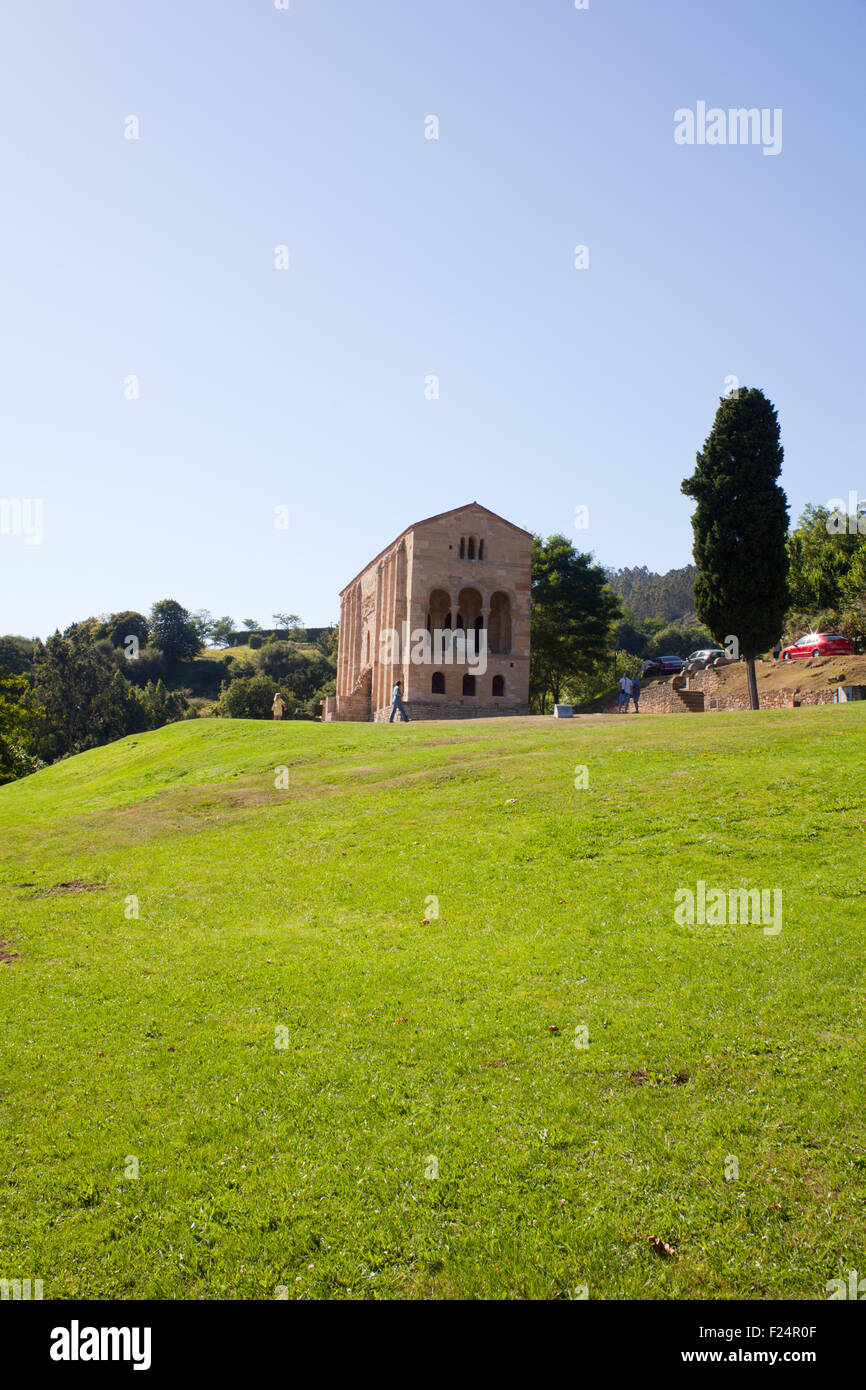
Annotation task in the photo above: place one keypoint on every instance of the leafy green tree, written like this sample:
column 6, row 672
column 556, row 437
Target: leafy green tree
column 298, row 674
column 19, row 721
column 740, row 528
column 86, row 628
column 827, row 574
column 119, row 627
column 16, row 655
column 252, row 625
column 221, row 631
column 160, row 703
column 328, row 643
column 821, row 555
column 646, row 594
column 162, row 706
column 203, row 623
column 573, row 612
column 134, row 710
column 173, row 631
column 853, row 622
column 679, row 639
column 287, row 621
column 251, row 697
column 82, row 694
column 630, row 636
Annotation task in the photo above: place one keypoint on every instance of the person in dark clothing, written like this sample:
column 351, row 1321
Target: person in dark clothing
column 397, row 704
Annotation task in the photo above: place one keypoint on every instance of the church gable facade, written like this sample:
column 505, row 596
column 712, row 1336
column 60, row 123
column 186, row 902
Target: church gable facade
column 445, row 610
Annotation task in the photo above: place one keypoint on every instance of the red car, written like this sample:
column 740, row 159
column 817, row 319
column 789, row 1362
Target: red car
column 817, row 644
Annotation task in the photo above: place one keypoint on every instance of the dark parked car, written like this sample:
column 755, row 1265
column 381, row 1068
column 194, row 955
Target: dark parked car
column 662, row 666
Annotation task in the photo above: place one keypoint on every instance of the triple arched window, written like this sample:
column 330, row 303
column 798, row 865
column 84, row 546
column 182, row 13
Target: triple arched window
column 469, row 685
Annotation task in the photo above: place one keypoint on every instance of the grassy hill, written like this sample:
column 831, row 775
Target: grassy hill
column 285, row 1043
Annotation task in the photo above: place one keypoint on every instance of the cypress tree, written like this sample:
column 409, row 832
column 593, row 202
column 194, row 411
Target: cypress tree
column 740, row 528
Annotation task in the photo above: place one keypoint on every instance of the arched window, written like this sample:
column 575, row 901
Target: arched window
column 438, row 683
column 462, row 547
column 498, row 685
column 468, row 685
column 471, row 554
column 469, row 606
column 438, row 606
column 481, row 550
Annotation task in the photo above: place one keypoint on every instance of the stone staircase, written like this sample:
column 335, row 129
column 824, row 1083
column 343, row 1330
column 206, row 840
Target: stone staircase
column 355, row 707
column 692, row 701
column 364, row 684
column 663, row 697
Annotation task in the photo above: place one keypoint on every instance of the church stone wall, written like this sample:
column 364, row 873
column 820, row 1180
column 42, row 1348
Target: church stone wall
column 466, row 567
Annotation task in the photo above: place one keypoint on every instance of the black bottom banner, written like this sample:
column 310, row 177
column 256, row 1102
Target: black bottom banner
column 159, row 1339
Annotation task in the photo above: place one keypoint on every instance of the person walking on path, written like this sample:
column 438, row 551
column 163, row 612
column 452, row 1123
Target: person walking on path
column 624, row 694
column 635, row 692
column 278, row 706
column 397, row 704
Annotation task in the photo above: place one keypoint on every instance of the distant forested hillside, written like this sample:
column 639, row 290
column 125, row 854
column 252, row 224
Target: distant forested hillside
column 648, row 595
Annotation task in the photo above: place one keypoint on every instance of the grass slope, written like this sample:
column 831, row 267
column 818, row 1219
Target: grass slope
column 152, row 1041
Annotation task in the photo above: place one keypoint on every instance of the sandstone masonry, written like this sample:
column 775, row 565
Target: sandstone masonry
column 467, row 571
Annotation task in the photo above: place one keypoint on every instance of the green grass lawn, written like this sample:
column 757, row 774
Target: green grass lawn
column 296, row 917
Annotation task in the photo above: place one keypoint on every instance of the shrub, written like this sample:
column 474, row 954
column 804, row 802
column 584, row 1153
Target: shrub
column 278, row 659
column 149, row 665
column 298, row 674
column 679, row 641
column 251, row 697
column 201, row 678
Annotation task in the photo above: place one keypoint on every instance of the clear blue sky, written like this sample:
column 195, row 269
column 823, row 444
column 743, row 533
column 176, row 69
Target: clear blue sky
column 408, row 257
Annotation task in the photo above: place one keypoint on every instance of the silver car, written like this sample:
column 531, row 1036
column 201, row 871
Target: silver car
column 707, row 656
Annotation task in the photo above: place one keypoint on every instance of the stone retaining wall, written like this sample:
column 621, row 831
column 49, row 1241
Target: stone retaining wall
column 717, row 701
column 773, row 699
column 452, row 709
column 705, row 693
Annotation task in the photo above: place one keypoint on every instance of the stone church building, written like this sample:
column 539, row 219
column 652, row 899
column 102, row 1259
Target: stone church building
column 445, row 609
